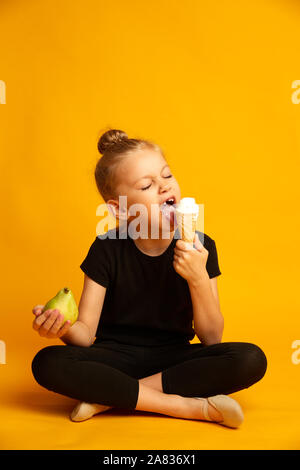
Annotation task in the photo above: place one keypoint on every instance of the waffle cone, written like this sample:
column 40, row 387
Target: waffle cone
column 186, row 226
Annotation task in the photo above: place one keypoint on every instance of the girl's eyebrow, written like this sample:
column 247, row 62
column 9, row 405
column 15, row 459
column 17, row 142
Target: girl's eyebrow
column 149, row 176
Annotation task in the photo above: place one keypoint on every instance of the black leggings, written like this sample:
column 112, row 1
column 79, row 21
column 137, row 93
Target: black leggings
column 107, row 373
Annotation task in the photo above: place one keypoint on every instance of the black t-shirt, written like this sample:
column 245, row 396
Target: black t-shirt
column 146, row 302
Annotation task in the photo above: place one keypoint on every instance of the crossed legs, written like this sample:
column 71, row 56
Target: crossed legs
column 217, row 369
column 226, row 368
column 151, row 398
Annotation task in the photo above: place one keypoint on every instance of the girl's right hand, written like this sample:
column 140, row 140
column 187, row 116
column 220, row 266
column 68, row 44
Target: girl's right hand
column 49, row 323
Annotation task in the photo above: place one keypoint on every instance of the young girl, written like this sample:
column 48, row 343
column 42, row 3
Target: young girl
column 144, row 299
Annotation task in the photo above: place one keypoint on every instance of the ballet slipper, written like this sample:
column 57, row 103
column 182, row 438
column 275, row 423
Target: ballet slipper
column 230, row 410
column 84, row 410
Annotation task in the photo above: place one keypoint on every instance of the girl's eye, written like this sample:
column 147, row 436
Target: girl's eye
column 147, row 187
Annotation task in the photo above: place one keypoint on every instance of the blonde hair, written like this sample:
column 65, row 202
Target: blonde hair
column 115, row 146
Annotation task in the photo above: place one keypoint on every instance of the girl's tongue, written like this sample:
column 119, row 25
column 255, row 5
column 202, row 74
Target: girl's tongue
column 168, row 211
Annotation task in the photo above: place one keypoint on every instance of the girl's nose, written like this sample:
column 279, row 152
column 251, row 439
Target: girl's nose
column 165, row 188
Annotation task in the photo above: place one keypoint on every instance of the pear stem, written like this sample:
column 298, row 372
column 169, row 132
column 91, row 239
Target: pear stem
column 66, row 290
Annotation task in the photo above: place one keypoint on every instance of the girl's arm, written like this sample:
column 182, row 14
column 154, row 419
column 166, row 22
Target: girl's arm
column 190, row 263
column 208, row 319
column 83, row 331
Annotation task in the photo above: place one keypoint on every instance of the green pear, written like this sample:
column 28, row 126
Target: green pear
column 65, row 302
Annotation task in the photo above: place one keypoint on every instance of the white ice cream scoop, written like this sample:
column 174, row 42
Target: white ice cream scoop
column 187, row 205
column 187, row 212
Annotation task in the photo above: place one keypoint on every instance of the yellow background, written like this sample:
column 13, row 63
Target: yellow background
column 211, row 83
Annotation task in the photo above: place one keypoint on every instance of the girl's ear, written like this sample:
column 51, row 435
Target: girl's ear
column 114, row 209
column 111, row 209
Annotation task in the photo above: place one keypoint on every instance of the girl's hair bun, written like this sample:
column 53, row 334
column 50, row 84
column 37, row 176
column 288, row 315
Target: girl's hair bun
column 115, row 146
column 110, row 138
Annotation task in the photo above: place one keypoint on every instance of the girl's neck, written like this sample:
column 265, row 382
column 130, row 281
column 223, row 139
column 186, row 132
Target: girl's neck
column 154, row 247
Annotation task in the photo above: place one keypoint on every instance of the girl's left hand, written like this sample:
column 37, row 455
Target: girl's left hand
column 190, row 262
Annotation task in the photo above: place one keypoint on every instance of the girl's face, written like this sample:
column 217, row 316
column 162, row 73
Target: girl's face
column 145, row 178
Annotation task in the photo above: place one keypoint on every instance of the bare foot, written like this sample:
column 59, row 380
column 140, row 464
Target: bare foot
column 84, row 410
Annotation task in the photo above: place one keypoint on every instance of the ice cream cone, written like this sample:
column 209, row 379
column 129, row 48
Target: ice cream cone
column 186, row 217
column 187, row 226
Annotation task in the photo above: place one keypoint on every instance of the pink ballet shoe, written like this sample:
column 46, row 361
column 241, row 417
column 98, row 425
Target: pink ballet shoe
column 230, row 410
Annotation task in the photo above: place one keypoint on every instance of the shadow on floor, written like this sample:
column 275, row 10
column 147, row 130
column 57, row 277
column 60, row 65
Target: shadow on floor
column 54, row 404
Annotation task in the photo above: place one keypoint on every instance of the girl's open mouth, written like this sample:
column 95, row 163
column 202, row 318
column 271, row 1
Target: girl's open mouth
column 168, row 210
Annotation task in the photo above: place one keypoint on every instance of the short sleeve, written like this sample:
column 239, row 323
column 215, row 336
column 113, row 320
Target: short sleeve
column 212, row 264
column 96, row 264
